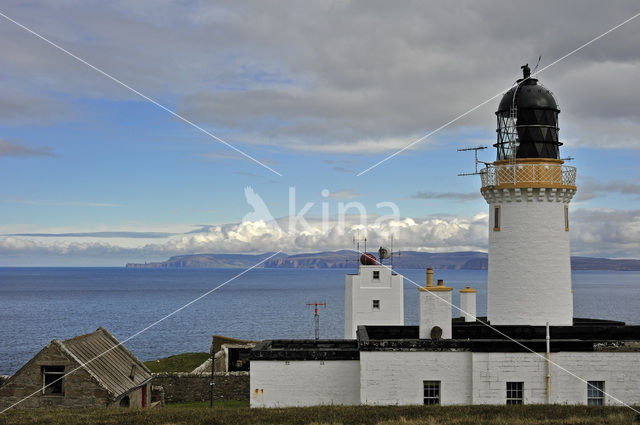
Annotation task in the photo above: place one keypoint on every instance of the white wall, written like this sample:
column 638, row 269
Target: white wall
column 492, row 371
column 397, row 377
column 619, row 371
column 435, row 310
column 468, row 305
column 360, row 291
column 529, row 279
column 304, row 383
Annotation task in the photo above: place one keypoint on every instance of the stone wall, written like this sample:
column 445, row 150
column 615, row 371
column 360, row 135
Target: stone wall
column 184, row 387
column 80, row 388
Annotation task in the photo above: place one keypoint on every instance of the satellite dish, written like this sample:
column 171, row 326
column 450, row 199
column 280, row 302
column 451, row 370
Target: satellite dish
column 384, row 253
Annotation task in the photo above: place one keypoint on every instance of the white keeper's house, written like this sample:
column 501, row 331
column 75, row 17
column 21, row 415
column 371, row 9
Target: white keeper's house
column 529, row 349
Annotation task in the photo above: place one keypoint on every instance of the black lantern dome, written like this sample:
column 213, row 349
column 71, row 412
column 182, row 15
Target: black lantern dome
column 528, row 121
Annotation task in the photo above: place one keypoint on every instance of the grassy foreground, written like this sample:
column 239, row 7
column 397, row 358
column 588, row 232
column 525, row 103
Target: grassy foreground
column 393, row 415
column 184, row 362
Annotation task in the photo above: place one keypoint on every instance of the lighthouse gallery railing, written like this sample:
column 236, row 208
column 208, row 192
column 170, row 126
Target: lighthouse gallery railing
column 528, row 174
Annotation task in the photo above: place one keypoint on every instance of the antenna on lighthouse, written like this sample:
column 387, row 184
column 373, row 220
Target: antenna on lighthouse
column 316, row 317
column 356, row 241
column 477, row 161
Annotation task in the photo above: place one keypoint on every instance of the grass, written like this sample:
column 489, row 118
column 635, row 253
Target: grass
column 231, row 404
column 367, row 415
column 184, row 362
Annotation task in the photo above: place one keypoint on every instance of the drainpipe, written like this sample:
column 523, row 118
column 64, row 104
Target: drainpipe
column 548, row 357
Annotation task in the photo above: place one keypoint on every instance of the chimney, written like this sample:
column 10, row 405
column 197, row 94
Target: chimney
column 468, row 304
column 435, row 309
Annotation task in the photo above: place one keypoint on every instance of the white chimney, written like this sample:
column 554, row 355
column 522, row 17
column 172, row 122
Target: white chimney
column 435, row 309
column 468, row 304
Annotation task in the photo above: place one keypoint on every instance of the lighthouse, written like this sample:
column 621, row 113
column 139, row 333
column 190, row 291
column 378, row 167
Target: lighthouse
column 528, row 189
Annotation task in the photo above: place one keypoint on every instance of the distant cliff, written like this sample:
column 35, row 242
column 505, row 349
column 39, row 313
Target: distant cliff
column 208, row 261
column 470, row 260
column 405, row 260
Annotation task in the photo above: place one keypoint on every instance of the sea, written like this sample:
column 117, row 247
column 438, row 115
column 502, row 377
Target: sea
column 160, row 312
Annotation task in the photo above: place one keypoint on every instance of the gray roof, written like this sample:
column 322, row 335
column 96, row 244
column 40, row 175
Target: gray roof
column 112, row 369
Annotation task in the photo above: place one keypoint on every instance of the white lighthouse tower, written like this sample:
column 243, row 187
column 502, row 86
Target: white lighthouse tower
column 528, row 189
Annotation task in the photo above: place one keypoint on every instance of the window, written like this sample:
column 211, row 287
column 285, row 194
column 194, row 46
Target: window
column 376, row 304
column 431, row 392
column 595, row 393
column 566, row 218
column 52, row 380
column 376, row 274
column 514, row 392
column 496, row 219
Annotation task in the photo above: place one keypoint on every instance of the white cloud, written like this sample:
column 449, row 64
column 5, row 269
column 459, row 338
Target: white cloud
column 446, row 234
column 606, row 232
column 594, row 232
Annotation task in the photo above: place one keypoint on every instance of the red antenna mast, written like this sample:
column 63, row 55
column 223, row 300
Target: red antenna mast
column 316, row 317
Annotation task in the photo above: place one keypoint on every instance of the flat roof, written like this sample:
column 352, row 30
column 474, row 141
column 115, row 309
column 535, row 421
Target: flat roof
column 306, row 349
column 585, row 335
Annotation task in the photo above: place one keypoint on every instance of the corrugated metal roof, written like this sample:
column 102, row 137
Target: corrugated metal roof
column 113, row 367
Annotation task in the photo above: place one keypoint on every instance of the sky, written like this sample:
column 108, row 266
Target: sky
column 297, row 98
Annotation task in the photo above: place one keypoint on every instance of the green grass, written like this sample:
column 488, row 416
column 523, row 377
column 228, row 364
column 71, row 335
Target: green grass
column 367, row 415
column 232, row 404
column 184, row 362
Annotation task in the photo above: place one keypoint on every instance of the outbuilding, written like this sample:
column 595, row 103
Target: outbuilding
column 86, row 371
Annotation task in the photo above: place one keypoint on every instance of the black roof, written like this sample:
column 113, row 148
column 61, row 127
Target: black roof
column 584, row 335
column 530, row 95
column 306, row 349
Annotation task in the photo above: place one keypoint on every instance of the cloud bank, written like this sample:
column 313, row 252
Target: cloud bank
column 594, row 232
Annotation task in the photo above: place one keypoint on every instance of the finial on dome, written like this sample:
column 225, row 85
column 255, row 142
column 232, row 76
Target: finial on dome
column 526, row 71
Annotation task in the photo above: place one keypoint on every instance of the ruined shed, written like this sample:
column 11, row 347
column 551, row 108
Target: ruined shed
column 68, row 374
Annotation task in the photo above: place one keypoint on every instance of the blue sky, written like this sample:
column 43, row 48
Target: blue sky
column 317, row 101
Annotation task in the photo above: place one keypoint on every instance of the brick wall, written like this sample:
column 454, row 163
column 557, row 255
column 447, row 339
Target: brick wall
column 184, row 387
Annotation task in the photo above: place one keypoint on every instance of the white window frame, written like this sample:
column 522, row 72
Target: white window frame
column 515, row 392
column 431, row 391
column 595, row 393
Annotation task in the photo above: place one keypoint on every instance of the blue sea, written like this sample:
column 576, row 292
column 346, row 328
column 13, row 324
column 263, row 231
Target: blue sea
column 39, row 304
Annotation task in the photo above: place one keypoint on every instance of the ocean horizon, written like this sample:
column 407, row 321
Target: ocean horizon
column 38, row 304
